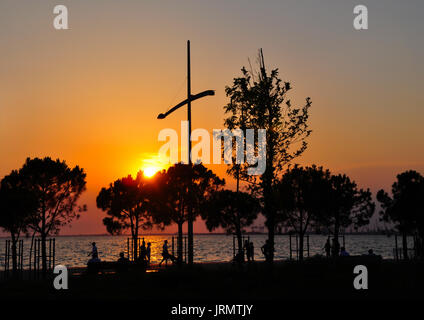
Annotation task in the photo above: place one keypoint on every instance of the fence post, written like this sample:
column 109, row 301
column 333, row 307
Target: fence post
column 54, row 252
column 297, row 247
column 307, row 238
column 185, row 249
column 396, row 248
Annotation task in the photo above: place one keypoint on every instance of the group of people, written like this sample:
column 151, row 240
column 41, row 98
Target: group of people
column 335, row 250
column 248, row 248
column 145, row 252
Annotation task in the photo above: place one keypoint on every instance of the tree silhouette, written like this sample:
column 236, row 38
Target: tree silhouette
column 232, row 211
column 346, row 205
column 405, row 207
column 17, row 207
column 300, row 198
column 127, row 202
column 182, row 190
column 57, row 188
column 259, row 101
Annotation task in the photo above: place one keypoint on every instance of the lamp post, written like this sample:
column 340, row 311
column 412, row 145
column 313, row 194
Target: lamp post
column 187, row 102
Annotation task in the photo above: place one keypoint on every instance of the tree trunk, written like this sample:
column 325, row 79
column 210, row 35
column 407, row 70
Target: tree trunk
column 239, row 243
column 336, row 244
column 271, row 236
column 180, row 243
column 190, row 235
column 44, row 253
column 135, row 246
column 43, row 235
column 405, row 246
column 238, row 228
column 301, row 235
column 135, row 240
column 14, row 255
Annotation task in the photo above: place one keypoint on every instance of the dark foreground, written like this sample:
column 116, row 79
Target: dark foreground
column 315, row 279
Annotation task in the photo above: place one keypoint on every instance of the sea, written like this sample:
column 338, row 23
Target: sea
column 74, row 251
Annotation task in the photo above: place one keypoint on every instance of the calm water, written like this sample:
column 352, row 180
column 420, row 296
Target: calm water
column 73, row 251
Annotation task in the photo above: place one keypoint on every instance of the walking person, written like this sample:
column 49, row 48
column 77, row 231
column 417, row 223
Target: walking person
column 246, row 250
column 165, row 254
column 327, row 248
column 251, row 251
column 336, row 247
column 148, row 252
column 266, row 250
column 143, row 251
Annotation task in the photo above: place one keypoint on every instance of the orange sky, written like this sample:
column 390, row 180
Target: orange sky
column 91, row 94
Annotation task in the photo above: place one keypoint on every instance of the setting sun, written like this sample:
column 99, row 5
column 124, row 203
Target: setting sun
column 150, row 171
column 150, row 164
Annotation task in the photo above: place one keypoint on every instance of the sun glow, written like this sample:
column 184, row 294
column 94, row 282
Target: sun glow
column 151, row 164
column 150, row 171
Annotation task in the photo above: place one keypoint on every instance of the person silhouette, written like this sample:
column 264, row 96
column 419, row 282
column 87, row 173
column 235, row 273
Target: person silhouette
column 327, row 248
column 251, row 251
column 343, row 252
column 165, row 254
column 143, row 251
column 122, row 263
column 94, row 253
column 246, row 249
column 148, row 251
column 122, row 257
column 94, row 262
column 336, row 247
column 266, row 250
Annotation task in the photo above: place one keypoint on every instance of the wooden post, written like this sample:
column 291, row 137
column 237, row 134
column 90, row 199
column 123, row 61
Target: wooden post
column 54, row 252
column 307, row 243
column 396, row 248
column 50, row 254
column 35, row 255
column 30, row 254
column 21, row 254
column 173, row 246
column 185, row 249
column 290, row 242
column 6, row 256
column 38, row 254
column 297, row 247
column 128, row 248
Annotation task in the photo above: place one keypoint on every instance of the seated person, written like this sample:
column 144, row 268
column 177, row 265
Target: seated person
column 94, row 254
column 122, row 263
column 122, row 258
column 371, row 253
column 343, row 252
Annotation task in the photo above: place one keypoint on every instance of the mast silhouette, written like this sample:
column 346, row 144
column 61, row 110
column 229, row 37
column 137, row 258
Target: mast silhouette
column 190, row 98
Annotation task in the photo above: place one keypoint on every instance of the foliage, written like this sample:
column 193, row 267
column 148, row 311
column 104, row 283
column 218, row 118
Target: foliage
column 230, row 210
column 127, row 202
column 17, row 206
column 259, row 101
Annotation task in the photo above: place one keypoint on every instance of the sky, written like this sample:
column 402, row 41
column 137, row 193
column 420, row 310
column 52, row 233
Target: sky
column 90, row 95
